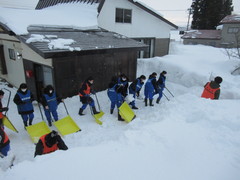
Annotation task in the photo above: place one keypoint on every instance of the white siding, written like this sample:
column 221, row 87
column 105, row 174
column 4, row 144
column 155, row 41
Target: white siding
column 25, row 4
column 143, row 24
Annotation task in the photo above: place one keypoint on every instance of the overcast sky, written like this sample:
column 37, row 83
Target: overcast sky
column 176, row 10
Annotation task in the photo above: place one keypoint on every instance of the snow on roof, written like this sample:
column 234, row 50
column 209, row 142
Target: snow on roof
column 232, row 19
column 81, row 15
column 202, row 34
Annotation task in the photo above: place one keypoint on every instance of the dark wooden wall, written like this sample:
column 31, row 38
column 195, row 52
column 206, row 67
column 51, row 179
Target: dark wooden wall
column 70, row 72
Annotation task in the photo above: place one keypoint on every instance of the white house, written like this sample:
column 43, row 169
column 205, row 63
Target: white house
column 136, row 20
column 133, row 19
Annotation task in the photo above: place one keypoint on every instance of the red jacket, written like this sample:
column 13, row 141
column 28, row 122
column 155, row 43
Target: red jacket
column 209, row 92
column 47, row 149
column 5, row 139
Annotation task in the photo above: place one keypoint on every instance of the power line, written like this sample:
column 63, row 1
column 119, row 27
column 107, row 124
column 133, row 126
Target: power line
column 172, row 10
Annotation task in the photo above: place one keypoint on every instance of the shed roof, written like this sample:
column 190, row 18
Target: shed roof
column 231, row 19
column 202, row 34
column 49, row 44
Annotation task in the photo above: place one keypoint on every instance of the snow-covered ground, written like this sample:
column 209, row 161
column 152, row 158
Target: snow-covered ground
column 186, row 138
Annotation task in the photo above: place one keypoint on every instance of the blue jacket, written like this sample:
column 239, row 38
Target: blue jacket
column 161, row 81
column 51, row 101
column 25, row 102
column 136, row 86
column 113, row 94
column 150, row 85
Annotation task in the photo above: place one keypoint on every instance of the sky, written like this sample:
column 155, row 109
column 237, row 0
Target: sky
column 176, row 11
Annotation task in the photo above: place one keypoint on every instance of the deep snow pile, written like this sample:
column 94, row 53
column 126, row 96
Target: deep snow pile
column 186, row 138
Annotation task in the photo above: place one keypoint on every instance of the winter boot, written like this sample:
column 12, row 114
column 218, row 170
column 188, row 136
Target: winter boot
column 120, row 118
column 30, row 122
column 111, row 111
column 49, row 123
column 145, row 100
column 158, row 100
column 151, row 104
column 25, row 123
column 95, row 111
column 81, row 112
column 134, row 107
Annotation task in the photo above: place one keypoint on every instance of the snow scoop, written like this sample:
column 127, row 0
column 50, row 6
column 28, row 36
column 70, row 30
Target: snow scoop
column 99, row 115
column 6, row 121
column 126, row 112
column 35, row 131
column 66, row 125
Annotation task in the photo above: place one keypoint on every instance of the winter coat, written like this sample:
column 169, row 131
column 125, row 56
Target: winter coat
column 211, row 90
column 4, row 140
column 23, row 100
column 161, row 82
column 151, row 84
column 124, row 84
column 47, row 144
column 50, row 99
column 136, row 86
column 85, row 92
column 115, row 91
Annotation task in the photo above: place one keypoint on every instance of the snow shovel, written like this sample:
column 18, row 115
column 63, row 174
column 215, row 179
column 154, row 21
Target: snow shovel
column 66, row 125
column 6, row 121
column 35, row 131
column 169, row 91
column 126, row 112
column 100, row 114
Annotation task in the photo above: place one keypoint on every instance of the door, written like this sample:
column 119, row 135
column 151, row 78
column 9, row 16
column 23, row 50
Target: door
column 3, row 67
column 43, row 77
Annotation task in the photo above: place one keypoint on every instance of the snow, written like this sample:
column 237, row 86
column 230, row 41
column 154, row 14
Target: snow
column 80, row 15
column 186, row 138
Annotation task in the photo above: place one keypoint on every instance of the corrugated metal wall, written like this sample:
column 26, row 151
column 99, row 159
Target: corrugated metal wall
column 70, row 72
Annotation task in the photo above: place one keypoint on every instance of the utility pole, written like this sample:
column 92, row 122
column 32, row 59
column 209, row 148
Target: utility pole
column 189, row 14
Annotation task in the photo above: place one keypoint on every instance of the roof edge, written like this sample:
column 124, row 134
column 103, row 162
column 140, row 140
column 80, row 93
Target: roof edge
column 153, row 13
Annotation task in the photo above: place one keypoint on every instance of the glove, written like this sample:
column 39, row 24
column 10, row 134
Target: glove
column 93, row 92
column 4, row 109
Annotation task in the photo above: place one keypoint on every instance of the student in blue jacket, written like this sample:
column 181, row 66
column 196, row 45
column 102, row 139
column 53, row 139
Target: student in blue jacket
column 50, row 103
column 135, row 88
column 23, row 99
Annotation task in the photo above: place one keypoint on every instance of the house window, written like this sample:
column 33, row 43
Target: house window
column 12, row 54
column 123, row 15
column 233, row 30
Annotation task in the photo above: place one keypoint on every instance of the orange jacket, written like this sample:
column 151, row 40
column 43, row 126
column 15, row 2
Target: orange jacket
column 209, row 92
column 47, row 149
column 6, row 139
column 86, row 91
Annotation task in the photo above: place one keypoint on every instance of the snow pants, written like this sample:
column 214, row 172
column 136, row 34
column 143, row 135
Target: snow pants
column 48, row 113
column 4, row 150
column 27, row 117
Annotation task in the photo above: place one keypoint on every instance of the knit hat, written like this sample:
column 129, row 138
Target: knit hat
column 23, row 86
column 1, row 92
column 218, row 79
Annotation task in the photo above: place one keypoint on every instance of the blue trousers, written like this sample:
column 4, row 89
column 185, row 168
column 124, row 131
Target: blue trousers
column 90, row 104
column 5, row 150
column 48, row 113
column 27, row 117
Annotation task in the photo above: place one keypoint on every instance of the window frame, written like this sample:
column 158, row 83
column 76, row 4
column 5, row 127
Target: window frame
column 121, row 15
column 12, row 54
